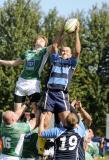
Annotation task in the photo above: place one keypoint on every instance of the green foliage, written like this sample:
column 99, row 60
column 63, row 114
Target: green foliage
column 87, row 84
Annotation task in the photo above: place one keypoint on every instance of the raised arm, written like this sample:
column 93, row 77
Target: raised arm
column 85, row 115
column 41, row 125
column 87, row 118
column 12, row 62
column 77, row 41
column 57, row 41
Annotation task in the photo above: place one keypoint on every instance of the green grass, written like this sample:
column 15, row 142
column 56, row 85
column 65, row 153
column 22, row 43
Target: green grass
column 104, row 158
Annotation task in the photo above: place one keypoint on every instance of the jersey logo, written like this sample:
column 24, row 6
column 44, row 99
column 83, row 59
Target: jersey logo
column 30, row 65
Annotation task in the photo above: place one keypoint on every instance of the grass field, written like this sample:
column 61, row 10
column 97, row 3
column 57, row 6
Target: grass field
column 104, row 158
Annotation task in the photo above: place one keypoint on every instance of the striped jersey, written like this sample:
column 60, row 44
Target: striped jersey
column 67, row 141
column 61, row 71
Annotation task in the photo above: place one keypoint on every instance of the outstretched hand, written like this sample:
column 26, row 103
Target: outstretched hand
column 78, row 27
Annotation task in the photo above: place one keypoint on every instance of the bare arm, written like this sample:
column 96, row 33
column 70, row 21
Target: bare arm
column 12, row 62
column 57, row 41
column 41, row 126
column 87, row 118
column 34, row 122
column 19, row 112
column 77, row 41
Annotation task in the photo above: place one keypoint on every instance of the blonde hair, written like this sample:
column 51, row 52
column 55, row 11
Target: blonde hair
column 41, row 36
column 71, row 120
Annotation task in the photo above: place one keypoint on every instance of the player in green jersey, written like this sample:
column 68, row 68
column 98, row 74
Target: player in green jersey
column 28, row 83
column 13, row 133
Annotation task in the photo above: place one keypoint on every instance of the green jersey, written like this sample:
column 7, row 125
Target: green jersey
column 88, row 156
column 13, row 137
column 93, row 149
column 30, row 145
column 34, row 63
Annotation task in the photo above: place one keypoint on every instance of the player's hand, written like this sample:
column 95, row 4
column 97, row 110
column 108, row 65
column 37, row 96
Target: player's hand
column 73, row 103
column 78, row 27
column 78, row 105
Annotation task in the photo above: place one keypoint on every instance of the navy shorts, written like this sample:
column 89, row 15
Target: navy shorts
column 56, row 101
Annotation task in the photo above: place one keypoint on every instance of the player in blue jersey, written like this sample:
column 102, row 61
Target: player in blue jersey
column 62, row 69
column 76, row 106
column 67, row 138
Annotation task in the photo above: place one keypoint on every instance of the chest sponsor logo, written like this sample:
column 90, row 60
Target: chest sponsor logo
column 30, row 65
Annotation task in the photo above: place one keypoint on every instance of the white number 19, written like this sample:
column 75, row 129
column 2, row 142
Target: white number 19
column 72, row 143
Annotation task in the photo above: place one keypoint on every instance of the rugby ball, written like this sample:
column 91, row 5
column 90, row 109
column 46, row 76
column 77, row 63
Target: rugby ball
column 70, row 25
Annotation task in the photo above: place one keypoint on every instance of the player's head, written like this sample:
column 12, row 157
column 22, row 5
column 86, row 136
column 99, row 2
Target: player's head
column 90, row 132
column 71, row 120
column 41, row 41
column 9, row 117
column 66, row 52
column 89, row 135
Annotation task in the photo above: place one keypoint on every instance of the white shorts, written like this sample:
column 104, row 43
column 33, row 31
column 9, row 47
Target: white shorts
column 27, row 87
column 7, row 157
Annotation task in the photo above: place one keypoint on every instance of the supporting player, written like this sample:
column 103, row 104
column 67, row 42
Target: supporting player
column 67, row 138
column 13, row 133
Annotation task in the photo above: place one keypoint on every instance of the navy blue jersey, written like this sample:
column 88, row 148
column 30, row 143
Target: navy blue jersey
column 66, row 145
column 81, row 150
column 61, row 72
column 66, row 141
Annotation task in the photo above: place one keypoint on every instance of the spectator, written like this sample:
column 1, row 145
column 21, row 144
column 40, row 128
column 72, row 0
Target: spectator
column 91, row 149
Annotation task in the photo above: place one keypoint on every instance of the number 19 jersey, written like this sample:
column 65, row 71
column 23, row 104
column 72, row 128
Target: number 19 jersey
column 66, row 145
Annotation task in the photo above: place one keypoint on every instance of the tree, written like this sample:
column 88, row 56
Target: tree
column 87, row 82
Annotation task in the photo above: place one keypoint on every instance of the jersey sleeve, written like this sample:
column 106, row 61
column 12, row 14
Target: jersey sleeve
column 80, row 129
column 25, row 127
column 54, row 57
column 43, row 51
column 53, row 132
column 74, row 61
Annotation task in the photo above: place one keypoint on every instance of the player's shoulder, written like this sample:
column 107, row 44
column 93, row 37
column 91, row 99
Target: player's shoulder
column 80, row 129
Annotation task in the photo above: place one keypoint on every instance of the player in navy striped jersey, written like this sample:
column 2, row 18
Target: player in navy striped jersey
column 62, row 69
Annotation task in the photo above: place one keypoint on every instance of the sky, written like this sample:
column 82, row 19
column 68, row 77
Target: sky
column 65, row 7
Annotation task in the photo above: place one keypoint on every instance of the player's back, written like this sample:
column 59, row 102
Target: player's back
column 66, row 147
column 13, row 136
